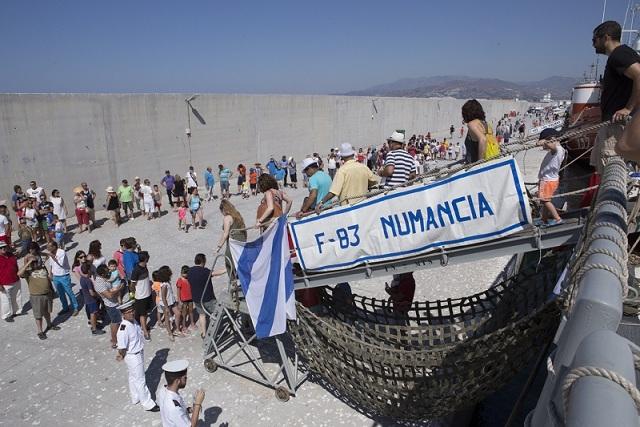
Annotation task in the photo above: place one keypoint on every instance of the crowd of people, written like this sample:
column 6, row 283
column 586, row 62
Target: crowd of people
column 123, row 296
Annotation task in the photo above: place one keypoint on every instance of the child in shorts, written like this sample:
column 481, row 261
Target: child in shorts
column 58, row 228
column 168, row 302
column 25, row 234
column 186, row 301
column 114, row 277
column 245, row 190
column 157, row 200
column 182, row 217
column 90, row 297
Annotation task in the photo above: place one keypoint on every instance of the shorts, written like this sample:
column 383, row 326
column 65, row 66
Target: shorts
column 546, row 189
column 149, row 206
column 241, row 179
column 604, row 146
column 114, row 314
column 143, row 306
column 41, row 305
column 208, row 305
column 91, row 307
column 253, row 186
column 127, row 206
column 82, row 216
column 293, row 177
column 224, row 185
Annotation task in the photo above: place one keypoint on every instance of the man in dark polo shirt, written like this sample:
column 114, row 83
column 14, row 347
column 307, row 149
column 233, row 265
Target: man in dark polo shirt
column 620, row 93
column 201, row 290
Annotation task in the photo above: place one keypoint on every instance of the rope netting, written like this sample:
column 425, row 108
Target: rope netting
column 437, row 356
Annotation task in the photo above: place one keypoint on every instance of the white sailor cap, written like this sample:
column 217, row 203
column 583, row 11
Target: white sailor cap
column 175, row 366
column 125, row 305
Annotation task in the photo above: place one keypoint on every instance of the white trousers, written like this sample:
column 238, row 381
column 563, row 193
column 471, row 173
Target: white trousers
column 137, row 384
column 11, row 300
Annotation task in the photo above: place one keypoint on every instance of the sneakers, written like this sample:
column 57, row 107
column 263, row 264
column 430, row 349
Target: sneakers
column 42, row 335
column 553, row 222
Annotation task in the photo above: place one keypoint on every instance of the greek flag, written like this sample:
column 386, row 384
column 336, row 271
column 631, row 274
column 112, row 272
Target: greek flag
column 264, row 271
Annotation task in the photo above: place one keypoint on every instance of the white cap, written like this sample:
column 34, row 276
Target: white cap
column 175, row 366
column 126, row 304
column 346, row 150
column 308, row 162
column 396, row 137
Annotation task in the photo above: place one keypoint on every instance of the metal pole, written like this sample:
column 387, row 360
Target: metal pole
column 189, row 133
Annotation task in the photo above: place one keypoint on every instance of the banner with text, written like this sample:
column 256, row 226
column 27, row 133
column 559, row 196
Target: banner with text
column 483, row 203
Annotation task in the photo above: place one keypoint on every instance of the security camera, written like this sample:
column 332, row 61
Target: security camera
column 187, row 131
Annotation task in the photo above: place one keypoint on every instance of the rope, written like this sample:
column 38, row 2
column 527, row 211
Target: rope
column 569, row 193
column 593, row 371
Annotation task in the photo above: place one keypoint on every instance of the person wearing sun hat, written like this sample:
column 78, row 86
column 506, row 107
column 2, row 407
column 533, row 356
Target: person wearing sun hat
column 351, row 181
column 130, row 342
column 399, row 166
column 113, row 205
column 319, row 185
column 173, row 409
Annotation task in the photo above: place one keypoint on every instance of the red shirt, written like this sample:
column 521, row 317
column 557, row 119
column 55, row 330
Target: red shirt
column 8, row 270
column 184, row 288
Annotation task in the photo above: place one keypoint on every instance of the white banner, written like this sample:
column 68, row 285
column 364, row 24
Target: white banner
column 483, row 203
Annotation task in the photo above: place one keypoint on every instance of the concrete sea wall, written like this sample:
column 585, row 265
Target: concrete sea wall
column 62, row 139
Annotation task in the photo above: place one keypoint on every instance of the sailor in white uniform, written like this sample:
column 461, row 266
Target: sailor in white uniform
column 173, row 410
column 131, row 350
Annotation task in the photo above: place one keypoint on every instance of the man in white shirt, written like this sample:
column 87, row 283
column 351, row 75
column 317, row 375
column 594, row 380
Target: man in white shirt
column 34, row 191
column 173, row 409
column 147, row 199
column 131, row 350
column 549, row 175
column 59, row 274
column 192, row 179
column 5, row 226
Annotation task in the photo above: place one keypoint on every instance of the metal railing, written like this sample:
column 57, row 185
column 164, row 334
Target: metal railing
column 591, row 370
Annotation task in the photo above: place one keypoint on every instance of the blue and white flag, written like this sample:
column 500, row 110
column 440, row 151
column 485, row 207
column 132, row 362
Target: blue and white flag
column 264, row 271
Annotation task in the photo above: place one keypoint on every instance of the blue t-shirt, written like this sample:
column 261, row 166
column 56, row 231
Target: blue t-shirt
column 168, row 181
column 273, row 168
column 224, row 175
column 129, row 261
column 321, row 182
column 194, row 204
column 208, row 179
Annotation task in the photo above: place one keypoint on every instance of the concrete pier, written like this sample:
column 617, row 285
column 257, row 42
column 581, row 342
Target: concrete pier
column 62, row 139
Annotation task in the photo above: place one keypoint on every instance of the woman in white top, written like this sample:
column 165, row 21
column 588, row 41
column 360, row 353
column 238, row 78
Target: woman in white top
column 59, row 208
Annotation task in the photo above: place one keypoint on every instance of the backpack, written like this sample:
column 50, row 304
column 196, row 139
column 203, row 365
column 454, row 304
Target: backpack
column 493, row 149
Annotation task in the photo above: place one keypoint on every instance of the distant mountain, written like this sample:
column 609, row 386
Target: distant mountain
column 464, row 87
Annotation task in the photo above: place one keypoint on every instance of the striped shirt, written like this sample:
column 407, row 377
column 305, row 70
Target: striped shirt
column 403, row 165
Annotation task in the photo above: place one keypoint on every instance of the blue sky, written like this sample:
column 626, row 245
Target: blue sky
column 273, row 46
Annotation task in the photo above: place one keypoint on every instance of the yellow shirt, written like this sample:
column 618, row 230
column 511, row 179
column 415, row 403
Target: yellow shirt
column 352, row 179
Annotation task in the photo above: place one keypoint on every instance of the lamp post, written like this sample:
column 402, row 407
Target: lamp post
column 188, row 129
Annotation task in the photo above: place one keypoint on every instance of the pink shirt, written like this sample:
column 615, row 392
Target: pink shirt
column 117, row 255
column 182, row 213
